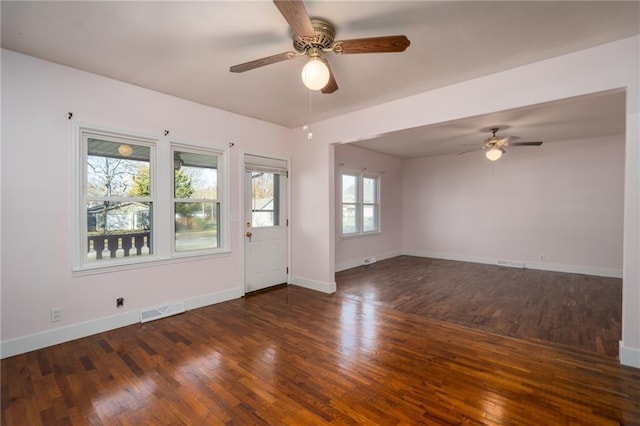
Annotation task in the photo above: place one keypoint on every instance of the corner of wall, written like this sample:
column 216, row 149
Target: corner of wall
column 629, row 356
column 363, row 261
column 328, row 288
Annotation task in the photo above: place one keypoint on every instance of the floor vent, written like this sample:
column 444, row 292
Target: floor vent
column 161, row 312
column 511, row 264
column 368, row 260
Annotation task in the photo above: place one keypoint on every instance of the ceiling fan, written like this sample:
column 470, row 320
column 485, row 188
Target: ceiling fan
column 494, row 145
column 315, row 36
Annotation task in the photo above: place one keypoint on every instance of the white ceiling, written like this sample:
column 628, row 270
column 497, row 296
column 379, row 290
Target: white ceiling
column 185, row 49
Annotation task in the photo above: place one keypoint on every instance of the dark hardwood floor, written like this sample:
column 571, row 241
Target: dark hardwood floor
column 581, row 311
column 298, row 357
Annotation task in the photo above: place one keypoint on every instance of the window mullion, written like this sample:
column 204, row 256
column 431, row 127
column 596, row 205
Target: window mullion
column 120, row 199
column 163, row 184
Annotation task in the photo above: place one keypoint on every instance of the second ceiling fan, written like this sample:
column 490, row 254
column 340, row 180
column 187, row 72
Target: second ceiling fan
column 315, row 36
column 494, row 145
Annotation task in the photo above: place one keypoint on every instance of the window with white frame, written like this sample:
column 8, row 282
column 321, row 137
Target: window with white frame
column 360, row 195
column 195, row 200
column 118, row 198
column 134, row 193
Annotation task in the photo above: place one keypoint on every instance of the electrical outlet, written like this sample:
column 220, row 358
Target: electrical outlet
column 119, row 302
column 56, row 314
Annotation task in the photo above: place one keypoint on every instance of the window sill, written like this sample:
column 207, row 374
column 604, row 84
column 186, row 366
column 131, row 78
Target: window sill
column 149, row 262
column 365, row 234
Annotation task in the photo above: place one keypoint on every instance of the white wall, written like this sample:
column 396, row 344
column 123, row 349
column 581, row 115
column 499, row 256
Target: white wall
column 555, row 207
column 351, row 251
column 312, row 215
column 37, row 182
column 606, row 67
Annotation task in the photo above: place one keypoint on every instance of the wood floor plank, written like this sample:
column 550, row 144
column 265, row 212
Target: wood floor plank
column 376, row 352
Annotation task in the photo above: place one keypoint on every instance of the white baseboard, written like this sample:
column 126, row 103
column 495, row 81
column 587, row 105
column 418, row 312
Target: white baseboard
column 576, row 269
column 450, row 256
column 542, row 266
column 343, row 266
column 629, row 356
column 328, row 288
column 41, row 340
column 213, row 298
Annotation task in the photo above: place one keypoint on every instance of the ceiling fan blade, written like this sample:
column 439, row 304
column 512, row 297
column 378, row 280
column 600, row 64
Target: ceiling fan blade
column 297, row 17
column 394, row 43
column 331, row 86
column 470, row 150
column 533, row 143
column 263, row 61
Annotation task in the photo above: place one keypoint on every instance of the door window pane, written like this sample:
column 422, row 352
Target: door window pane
column 265, row 199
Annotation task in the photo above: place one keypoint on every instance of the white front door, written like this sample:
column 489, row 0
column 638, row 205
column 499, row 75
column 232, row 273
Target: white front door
column 265, row 228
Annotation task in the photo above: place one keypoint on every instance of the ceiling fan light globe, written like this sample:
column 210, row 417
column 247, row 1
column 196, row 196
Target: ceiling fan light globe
column 315, row 74
column 493, row 154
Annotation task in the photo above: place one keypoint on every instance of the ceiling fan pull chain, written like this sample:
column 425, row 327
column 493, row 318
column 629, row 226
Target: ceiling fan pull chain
column 306, row 128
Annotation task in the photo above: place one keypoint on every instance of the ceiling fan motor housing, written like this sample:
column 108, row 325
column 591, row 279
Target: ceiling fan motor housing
column 491, row 142
column 325, row 33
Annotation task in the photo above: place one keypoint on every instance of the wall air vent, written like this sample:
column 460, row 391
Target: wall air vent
column 161, row 311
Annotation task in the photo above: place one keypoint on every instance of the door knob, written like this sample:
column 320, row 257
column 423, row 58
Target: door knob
column 249, row 234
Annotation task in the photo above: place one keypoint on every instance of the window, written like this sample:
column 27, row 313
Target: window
column 195, row 201
column 360, row 206
column 139, row 200
column 117, row 198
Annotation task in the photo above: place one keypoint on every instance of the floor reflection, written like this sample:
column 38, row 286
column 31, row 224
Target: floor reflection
column 358, row 328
